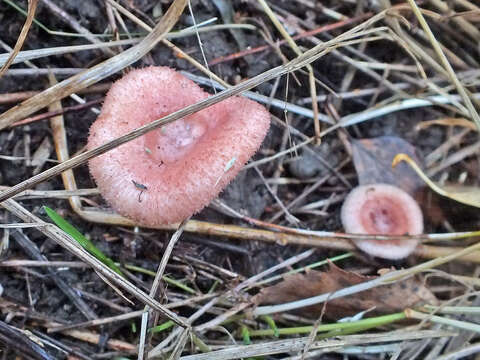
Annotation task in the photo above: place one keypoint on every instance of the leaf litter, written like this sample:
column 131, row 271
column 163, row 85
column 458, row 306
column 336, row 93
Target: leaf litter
column 373, row 158
column 380, row 300
column 376, row 163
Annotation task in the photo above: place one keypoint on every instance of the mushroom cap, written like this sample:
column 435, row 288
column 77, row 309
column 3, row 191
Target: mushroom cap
column 382, row 209
column 170, row 173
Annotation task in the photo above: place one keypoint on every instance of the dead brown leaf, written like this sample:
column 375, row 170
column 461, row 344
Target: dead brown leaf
column 373, row 158
column 373, row 162
column 384, row 299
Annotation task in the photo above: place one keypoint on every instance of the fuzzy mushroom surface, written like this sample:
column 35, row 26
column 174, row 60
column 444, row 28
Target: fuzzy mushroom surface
column 169, row 174
column 382, row 209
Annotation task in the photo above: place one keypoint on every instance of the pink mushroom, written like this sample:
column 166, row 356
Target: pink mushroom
column 171, row 173
column 382, row 209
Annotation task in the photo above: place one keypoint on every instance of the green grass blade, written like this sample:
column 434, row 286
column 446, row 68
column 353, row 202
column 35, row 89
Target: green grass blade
column 246, row 335
column 162, row 327
column 82, row 240
column 269, row 320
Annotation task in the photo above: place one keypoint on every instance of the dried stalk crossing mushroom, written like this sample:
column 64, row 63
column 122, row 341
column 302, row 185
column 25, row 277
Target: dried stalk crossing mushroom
column 173, row 172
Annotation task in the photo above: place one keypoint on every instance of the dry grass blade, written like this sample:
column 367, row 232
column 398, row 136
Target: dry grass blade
column 32, row 7
column 296, row 345
column 311, row 76
column 201, row 300
column 52, row 113
column 74, row 247
column 410, row 103
column 465, row 325
column 56, row 194
column 28, row 55
column 155, row 287
column 299, row 62
column 451, row 73
column 98, row 72
column 334, row 241
column 462, row 353
column 19, row 226
column 381, row 280
column 126, row 316
column 60, row 139
column 169, row 44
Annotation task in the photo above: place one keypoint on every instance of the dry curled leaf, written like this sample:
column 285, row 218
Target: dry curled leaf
column 373, row 162
column 469, row 195
column 384, row 299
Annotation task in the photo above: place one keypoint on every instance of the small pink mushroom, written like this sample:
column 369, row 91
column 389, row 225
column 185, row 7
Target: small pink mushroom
column 382, row 209
column 171, row 173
